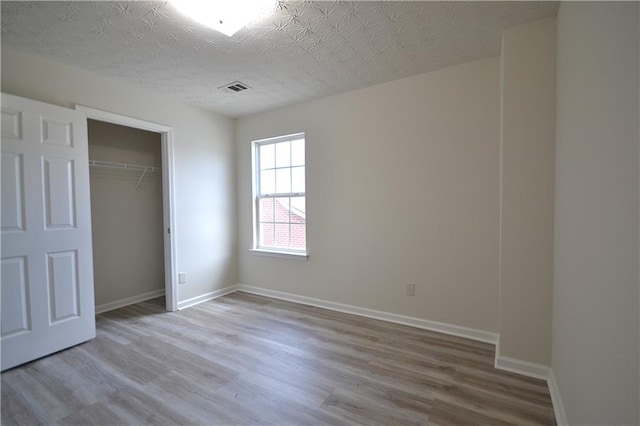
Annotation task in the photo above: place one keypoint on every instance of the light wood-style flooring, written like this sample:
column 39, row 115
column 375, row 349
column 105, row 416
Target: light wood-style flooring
column 244, row 359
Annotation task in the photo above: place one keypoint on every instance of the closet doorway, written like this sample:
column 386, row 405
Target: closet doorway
column 130, row 163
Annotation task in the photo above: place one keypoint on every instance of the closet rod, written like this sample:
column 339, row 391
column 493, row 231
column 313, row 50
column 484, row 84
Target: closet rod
column 110, row 165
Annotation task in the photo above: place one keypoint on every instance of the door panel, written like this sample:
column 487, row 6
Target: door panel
column 12, row 193
column 57, row 133
column 59, row 204
column 47, row 265
column 15, row 296
column 11, row 124
column 62, row 277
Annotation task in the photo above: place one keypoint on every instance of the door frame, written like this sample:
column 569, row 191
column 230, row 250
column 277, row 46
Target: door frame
column 166, row 134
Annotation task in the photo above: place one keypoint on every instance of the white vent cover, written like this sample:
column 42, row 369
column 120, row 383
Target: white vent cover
column 236, row 86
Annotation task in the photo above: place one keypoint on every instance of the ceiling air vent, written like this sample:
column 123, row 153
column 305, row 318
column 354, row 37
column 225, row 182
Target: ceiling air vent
column 236, row 86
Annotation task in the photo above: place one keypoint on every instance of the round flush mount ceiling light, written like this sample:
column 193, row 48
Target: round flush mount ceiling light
column 225, row 16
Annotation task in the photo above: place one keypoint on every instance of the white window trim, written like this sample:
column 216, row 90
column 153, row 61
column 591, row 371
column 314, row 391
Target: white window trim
column 266, row 251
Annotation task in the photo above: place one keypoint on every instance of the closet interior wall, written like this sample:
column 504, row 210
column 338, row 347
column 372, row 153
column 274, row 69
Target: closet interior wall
column 126, row 213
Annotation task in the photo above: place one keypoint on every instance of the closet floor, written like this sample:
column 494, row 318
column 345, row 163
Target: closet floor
column 244, row 359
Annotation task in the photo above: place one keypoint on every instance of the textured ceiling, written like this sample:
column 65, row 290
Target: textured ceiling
column 303, row 50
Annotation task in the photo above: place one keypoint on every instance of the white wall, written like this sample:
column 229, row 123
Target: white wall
column 402, row 186
column 204, row 159
column 126, row 223
column 528, row 93
column 595, row 300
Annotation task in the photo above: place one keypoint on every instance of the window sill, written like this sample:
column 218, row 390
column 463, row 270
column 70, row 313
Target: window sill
column 281, row 254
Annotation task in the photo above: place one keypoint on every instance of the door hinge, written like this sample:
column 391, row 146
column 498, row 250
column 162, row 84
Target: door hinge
column 168, row 230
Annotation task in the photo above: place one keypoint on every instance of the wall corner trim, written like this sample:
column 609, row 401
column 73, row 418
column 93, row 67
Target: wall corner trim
column 110, row 306
column 558, row 406
column 206, row 296
column 453, row 330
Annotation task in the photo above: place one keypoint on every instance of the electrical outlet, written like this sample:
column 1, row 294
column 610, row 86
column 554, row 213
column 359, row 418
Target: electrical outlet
column 182, row 277
column 411, row 289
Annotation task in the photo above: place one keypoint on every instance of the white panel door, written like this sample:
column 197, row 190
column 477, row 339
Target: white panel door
column 47, row 264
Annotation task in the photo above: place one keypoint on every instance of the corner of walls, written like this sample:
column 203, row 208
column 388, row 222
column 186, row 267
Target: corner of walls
column 556, row 399
column 524, row 368
column 527, row 138
column 536, row 371
column 527, row 147
column 235, row 222
column 500, row 195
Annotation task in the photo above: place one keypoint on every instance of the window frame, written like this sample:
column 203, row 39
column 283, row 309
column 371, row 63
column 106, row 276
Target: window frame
column 256, row 248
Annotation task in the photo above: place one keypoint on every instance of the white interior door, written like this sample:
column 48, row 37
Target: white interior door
column 47, row 265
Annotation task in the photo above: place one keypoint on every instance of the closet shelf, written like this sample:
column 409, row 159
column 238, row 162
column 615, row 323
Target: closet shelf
column 125, row 166
column 107, row 164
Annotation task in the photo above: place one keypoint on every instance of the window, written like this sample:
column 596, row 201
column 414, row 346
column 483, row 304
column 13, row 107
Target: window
column 279, row 188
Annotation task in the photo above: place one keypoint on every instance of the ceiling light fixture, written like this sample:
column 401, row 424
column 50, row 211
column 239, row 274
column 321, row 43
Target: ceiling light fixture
column 225, row 16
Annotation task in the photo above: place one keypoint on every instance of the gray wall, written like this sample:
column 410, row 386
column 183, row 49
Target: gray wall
column 402, row 187
column 595, row 299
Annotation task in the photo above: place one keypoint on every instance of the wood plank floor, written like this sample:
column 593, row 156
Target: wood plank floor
column 244, row 359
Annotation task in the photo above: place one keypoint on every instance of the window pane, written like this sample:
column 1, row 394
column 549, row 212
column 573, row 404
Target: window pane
column 283, row 154
column 297, row 152
column 267, row 181
column 282, row 235
column 297, row 181
column 298, row 210
column 266, row 210
column 282, row 210
column 280, row 170
column 283, row 180
column 267, row 156
column 266, row 235
column 298, row 236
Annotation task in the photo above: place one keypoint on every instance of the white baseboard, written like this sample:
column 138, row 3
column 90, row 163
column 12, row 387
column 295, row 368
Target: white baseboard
column 558, row 406
column 105, row 307
column 454, row 330
column 207, row 296
column 525, row 368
